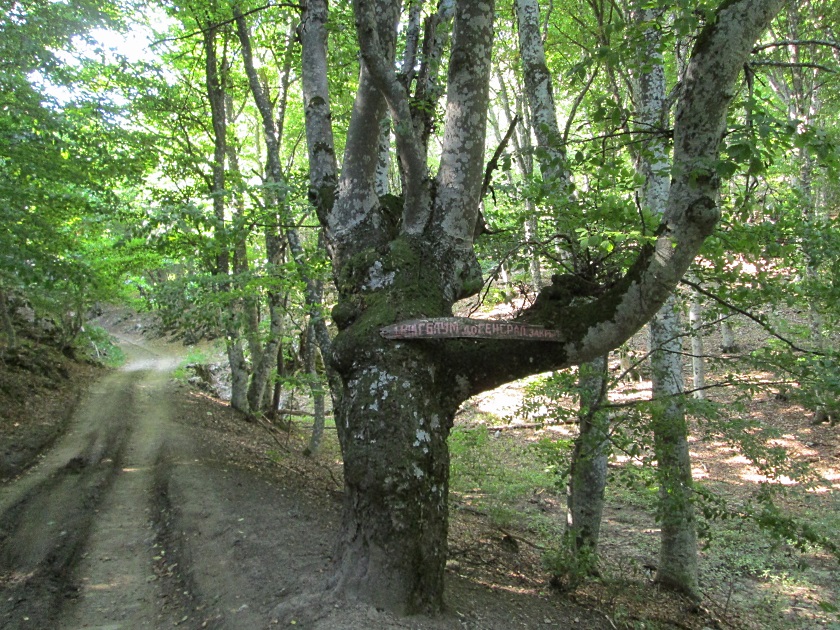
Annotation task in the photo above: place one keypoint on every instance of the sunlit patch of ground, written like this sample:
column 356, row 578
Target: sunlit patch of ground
column 750, row 580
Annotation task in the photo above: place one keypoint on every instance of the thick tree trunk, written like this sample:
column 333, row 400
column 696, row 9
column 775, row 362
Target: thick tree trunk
column 399, row 397
column 395, row 420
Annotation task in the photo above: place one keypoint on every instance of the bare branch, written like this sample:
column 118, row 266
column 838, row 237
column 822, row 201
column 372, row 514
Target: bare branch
column 798, row 42
column 788, row 64
column 758, row 320
column 494, row 161
column 201, row 31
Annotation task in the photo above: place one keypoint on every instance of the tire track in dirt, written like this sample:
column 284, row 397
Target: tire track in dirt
column 150, row 513
column 76, row 537
column 237, row 541
column 135, row 520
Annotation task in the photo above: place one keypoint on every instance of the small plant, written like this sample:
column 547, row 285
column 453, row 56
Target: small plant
column 96, row 344
column 194, row 356
column 570, row 565
column 498, row 474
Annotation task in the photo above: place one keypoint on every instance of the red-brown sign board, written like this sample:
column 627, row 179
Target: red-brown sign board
column 456, row 327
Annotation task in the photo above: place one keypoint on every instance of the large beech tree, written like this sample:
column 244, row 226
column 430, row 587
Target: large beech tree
column 415, row 259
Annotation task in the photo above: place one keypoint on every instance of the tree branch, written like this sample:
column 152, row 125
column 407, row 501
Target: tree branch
column 494, row 161
column 201, row 31
column 378, row 56
column 798, row 42
column 788, row 64
column 749, row 315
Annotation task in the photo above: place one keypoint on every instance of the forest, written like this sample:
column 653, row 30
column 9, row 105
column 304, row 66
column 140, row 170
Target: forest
column 477, row 257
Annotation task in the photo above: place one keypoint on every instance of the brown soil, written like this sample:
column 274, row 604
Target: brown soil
column 156, row 506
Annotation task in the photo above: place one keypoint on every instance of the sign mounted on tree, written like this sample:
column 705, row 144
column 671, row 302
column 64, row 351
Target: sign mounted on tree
column 458, row 327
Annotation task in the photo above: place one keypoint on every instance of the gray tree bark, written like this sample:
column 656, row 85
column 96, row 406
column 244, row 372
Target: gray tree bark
column 539, row 89
column 588, row 475
column 317, row 389
column 398, row 398
column 230, row 326
column 698, row 360
column 727, row 338
column 266, row 360
column 678, row 538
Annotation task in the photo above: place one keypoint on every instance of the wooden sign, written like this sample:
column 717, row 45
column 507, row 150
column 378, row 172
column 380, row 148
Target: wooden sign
column 457, row 327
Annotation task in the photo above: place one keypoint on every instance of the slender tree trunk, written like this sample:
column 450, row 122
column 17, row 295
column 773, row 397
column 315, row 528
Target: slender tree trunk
column 801, row 94
column 383, row 166
column 278, row 384
column 247, row 307
column 678, row 533
column 540, row 95
column 727, row 338
column 589, row 464
column 233, row 341
column 588, row 475
column 8, row 326
column 275, row 201
column 678, row 538
column 698, row 361
column 317, row 389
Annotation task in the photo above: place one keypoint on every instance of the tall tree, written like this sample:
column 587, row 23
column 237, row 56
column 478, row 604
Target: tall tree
column 215, row 86
column 398, row 397
column 678, row 535
column 266, row 359
column 587, row 475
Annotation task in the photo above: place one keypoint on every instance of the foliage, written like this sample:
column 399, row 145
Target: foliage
column 570, row 566
column 63, row 157
column 495, row 473
column 95, row 343
column 106, row 167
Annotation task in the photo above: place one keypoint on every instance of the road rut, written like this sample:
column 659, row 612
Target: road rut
column 129, row 521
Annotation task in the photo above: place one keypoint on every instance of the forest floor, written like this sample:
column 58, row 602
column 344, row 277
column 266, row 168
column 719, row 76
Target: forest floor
column 131, row 500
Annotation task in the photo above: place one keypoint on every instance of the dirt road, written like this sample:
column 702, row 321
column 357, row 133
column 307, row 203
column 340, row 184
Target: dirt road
column 129, row 522
column 159, row 508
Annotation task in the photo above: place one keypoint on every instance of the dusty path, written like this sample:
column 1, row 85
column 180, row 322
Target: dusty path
column 128, row 522
column 158, row 508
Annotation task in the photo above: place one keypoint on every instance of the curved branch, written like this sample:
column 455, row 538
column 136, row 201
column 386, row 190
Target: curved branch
column 749, row 315
column 789, row 64
column 493, row 164
column 590, row 327
column 798, row 42
column 202, row 31
column 375, row 30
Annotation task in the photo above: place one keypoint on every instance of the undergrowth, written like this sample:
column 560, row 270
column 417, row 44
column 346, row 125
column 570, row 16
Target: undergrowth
column 757, row 561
